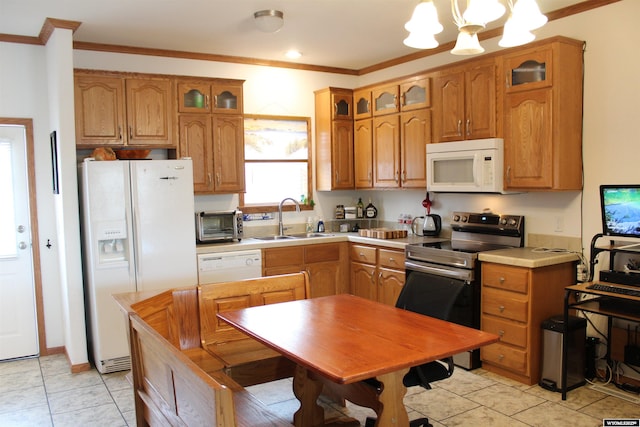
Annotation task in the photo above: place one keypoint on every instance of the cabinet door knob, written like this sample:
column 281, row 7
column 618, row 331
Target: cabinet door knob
column 501, row 280
column 501, row 333
column 500, row 357
column 501, row 308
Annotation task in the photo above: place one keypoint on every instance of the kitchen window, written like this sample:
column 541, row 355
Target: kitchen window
column 277, row 162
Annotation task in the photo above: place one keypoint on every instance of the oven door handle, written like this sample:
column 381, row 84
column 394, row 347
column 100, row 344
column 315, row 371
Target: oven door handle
column 465, row 275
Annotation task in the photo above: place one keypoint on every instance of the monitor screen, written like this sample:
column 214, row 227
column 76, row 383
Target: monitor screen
column 620, row 207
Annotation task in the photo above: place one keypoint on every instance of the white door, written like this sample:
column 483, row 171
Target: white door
column 18, row 325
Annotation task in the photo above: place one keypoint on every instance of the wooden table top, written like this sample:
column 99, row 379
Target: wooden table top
column 348, row 339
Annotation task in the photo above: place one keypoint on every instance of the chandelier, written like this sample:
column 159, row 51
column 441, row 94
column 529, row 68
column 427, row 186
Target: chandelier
column 524, row 16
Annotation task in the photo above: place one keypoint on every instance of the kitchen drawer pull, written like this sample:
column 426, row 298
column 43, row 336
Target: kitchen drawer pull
column 460, row 127
column 130, row 132
column 501, row 333
column 120, row 132
column 501, row 308
column 500, row 357
column 468, row 127
column 501, row 280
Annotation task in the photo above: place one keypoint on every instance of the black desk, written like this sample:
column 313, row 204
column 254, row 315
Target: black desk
column 597, row 305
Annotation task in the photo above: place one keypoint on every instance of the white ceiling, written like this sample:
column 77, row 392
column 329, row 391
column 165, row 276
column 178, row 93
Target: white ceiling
column 350, row 34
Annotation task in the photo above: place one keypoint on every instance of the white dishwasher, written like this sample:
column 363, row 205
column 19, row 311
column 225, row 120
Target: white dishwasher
column 229, row 266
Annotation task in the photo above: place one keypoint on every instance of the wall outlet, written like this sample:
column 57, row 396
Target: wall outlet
column 559, row 221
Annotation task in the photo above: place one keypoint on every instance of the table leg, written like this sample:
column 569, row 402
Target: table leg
column 393, row 411
column 307, row 391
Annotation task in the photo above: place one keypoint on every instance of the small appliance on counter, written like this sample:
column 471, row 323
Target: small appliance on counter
column 218, row 226
column 431, row 223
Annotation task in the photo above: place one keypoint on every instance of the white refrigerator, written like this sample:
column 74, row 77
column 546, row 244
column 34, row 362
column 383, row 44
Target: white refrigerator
column 138, row 235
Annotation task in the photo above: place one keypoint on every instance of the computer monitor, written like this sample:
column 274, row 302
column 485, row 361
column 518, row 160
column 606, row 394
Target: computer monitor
column 620, row 208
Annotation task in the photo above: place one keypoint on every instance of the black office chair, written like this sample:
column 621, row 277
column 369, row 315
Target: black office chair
column 432, row 296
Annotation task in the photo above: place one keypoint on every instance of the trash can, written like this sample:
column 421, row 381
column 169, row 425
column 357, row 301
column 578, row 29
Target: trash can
column 552, row 340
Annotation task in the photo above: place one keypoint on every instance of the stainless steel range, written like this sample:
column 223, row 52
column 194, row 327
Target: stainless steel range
column 456, row 261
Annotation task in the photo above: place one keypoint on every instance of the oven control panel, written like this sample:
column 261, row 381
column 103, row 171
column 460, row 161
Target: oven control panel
column 487, row 222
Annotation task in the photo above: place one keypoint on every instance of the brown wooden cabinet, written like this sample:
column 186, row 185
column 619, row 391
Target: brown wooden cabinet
column 326, row 264
column 410, row 94
column 212, row 133
column 415, row 134
column 196, row 141
column 399, row 149
column 415, row 93
column 362, row 104
column 465, row 102
column 112, row 109
column 334, row 139
column 515, row 301
column 363, row 150
column 386, row 151
column 206, row 96
column 377, row 273
column 543, row 116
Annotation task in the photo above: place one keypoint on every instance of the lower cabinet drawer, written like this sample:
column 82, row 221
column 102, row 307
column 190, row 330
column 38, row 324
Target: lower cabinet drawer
column 509, row 332
column 504, row 304
column 505, row 356
column 365, row 254
column 391, row 259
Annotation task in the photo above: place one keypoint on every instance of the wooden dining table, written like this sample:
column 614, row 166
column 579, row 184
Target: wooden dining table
column 347, row 339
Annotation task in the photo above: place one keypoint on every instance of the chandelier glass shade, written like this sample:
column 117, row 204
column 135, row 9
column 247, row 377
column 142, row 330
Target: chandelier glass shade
column 524, row 16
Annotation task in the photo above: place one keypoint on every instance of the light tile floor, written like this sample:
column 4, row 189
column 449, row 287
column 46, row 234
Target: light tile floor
column 42, row 392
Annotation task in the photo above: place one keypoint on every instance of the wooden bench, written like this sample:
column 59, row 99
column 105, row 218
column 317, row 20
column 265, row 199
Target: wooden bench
column 172, row 390
column 247, row 361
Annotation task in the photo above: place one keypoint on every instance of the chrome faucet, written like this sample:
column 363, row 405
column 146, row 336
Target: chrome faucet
column 280, row 227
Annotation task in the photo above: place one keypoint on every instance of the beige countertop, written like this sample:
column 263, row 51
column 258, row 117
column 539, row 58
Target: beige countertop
column 528, row 257
column 254, row 243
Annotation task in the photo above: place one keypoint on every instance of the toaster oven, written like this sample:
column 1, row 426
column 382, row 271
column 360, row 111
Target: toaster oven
column 218, row 226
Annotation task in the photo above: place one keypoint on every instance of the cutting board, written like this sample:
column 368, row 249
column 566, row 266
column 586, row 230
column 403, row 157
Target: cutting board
column 383, row 233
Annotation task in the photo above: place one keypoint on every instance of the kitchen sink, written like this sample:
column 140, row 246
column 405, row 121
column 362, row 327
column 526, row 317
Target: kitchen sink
column 295, row 236
column 310, row 235
column 275, row 238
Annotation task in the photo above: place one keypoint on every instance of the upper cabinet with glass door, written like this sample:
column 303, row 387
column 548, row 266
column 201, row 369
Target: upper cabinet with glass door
column 415, row 93
column 530, row 70
column 385, row 100
column 362, row 104
column 205, row 97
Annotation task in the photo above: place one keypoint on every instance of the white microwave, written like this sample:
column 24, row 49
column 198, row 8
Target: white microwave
column 471, row 166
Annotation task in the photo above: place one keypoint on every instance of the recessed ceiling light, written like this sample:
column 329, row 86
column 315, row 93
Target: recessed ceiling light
column 293, row 54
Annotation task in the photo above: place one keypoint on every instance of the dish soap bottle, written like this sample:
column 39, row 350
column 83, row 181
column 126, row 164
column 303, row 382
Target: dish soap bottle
column 321, row 226
column 360, row 209
column 370, row 211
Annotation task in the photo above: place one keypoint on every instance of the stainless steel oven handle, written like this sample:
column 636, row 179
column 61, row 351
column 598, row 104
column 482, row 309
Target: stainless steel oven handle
column 465, row 275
